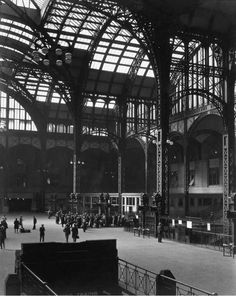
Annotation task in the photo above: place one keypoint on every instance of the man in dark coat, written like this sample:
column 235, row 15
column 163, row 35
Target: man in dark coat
column 34, row 222
column 75, row 232
column 67, row 232
column 2, row 237
column 41, row 233
column 159, row 232
column 16, row 225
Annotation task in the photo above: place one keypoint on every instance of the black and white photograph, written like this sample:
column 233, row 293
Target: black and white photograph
column 118, row 147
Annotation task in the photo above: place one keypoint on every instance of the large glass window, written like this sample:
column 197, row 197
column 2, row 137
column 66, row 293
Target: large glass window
column 13, row 113
column 213, row 176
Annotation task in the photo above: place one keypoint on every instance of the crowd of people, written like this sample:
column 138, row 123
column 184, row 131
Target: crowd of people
column 89, row 220
column 71, row 222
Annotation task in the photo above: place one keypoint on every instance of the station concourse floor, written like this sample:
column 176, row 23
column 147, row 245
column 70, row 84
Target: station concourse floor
column 202, row 268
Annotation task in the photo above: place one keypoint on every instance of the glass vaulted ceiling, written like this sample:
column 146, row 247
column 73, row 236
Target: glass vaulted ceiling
column 114, row 54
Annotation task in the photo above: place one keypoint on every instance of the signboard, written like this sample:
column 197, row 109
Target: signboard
column 189, row 224
column 173, row 222
column 208, row 226
column 180, row 222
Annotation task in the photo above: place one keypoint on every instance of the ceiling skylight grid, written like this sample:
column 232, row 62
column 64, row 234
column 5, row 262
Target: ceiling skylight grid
column 17, row 31
column 25, row 3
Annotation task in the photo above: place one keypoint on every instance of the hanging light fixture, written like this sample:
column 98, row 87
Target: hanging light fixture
column 68, row 57
column 46, row 61
column 58, row 50
column 59, row 63
column 51, row 55
column 45, row 50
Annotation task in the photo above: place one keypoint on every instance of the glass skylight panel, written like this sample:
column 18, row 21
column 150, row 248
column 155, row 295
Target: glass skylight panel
column 101, row 49
column 98, row 57
column 132, row 48
column 40, row 99
column 3, row 113
column 95, row 65
column 144, row 64
column 4, row 27
column 108, row 36
column 111, row 105
column 68, row 29
column 113, row 51
column 82, row 43
column 55, row 98
column 73, row 23
column 117, row 45
column 108, row 67
column 89, row 103
column 141, row 71
column 123, row 69
column 120, row 38
column 150, row 73
column 111, row 59
column 99, row 103
column 41, row 93
column 126, row 61
column 86, row 32
column 31, row 91
column 4, row 34
column 103, row 43
column 129, row 54
column 24, row 3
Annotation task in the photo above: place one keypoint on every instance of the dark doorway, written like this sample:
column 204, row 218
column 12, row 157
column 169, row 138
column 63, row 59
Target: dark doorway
column 20, row 205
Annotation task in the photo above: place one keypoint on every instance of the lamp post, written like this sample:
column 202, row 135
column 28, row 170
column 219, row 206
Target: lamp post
column 143, row 208
column 74, row 196
column 157, row 208
column 4, row 131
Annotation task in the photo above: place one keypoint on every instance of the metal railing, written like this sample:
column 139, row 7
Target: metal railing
column 209, row 239
column 136, row 280
column 206, row 239
column 32, row 284
column 139, row 281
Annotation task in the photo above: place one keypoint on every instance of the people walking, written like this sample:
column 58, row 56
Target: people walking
column 2, row 237
column 16, row 225
column 21, row 221
column 84, row 226
column 5, row 226
column 41, row 233
column 159, row 232
column 34, row 222
column 67, row 232
column 75, row 232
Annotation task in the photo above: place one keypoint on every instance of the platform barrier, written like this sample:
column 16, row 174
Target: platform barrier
column 139, row 281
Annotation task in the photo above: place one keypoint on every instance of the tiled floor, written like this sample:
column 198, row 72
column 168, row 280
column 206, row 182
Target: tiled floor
column 203, row 268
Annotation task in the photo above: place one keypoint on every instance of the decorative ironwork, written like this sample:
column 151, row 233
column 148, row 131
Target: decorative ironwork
column 159, row 161
column 215, row 100
column 225, row 182
column 137, row 280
